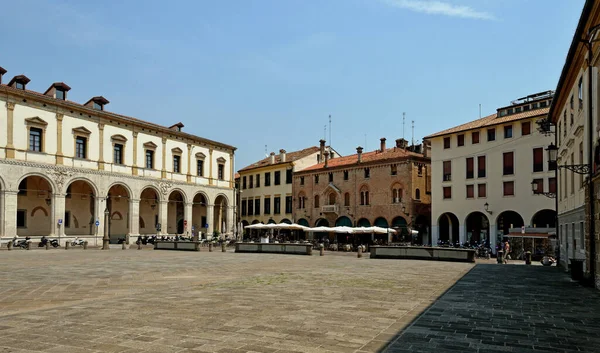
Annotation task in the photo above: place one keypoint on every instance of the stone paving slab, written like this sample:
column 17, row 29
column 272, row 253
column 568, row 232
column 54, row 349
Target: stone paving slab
column 497, row 308
column 160, row 301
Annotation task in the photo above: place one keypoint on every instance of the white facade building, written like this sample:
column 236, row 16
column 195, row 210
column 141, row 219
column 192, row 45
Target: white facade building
column 482, row 174
column 62, row 164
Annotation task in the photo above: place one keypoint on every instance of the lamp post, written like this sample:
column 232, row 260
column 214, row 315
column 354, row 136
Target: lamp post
column 535, row 189
column 105, row 238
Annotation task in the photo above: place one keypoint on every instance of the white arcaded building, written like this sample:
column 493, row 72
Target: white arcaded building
column 62, row 164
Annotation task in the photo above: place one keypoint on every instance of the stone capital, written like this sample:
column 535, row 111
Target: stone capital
column 101, row 126
column 10, row 105
column 135, row 134
column 59, row 116
column 164, row 140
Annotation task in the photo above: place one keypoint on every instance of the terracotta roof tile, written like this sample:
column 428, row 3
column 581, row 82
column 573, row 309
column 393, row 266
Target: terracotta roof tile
column 367, row 157
column 289, row 157
column 490, row 120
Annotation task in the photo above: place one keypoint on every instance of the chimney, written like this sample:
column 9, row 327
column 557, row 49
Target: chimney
column 19, row 82
column 58, row 90
column 282, row 155
column 97, row 103
column 177, row 127
column 359, row 153
column 272, row 158
column 2, row 72
column 401, row 143
column 321, row 149
column 382, row 144
column 326, row 159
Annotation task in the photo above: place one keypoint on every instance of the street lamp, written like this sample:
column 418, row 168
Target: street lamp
column 486, row 206
column 534, row 188
column 552, row 151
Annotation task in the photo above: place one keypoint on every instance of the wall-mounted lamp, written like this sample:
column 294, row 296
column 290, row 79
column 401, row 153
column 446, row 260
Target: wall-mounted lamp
column 48, row 201
column 486, row 206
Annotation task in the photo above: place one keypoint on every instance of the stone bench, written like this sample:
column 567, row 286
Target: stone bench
column 422, row 253
column 177, row 245
column 274, row 248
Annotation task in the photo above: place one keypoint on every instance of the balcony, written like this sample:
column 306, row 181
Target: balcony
column 329, row 209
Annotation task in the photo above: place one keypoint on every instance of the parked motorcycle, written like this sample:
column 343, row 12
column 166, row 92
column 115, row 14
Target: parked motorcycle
column 45, row 241
column 77, row 241
column 21, row 243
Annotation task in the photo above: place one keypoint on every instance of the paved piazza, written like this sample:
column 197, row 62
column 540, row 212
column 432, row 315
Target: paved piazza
column 165, row 301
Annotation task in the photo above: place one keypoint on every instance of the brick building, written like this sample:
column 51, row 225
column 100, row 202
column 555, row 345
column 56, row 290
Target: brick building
column 388, row 187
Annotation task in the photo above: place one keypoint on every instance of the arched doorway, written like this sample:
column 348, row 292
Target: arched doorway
column 34, row 207
column 332, row 198
column 544, row 219
column 322, row 236
column 303, row 222
column 478, row 228
column 363, row 222
column 507, row 220
column 400, row 225
column 149, row 211
column 448, row 228
column 256, row 221
column 199, row 220
column 322, row 222
column 175, row 211
column 420, row 225
column 220, row 215
column 381, row 222
column 80, row 204
column 343, row 222
column 117, row 203
column 271, row 221
column 286, row 221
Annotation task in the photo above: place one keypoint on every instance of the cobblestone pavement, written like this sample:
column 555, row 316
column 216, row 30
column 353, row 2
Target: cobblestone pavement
column 166, row 301
column 498, row 308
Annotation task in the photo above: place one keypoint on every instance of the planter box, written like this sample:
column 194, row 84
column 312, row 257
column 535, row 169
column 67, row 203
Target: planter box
column 177, row 245
column 422, row 253
column 274, row 248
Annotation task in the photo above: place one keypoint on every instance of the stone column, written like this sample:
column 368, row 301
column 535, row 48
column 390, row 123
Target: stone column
column 189, row 165
column 59, row 138
column 435, row 234
column 10, row 147
column 462, row 233
column 164, row 158
column 99, row 216
column 58, row 212
column 101, row 151
column 187, row 216
column 210, row 169
column 230, row 219
column 231, row 172
column 134, row 170
column 134, row 218
column 210, row 215
column 163, row 215
column 10, row 213
column 493, row 236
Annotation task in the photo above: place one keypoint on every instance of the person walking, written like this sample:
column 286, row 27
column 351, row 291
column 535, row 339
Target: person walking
column 506, row 251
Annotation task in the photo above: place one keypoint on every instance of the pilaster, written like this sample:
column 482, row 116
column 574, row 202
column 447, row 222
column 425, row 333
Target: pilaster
column 58, row 212
column 187, row 216
column 101, row 152
column 134, row 170
column 163, row 215
column 99, row 216
column 59, row 138
column 134, row 218
column 462, row 236
column 210, row 167
column 210, row 218
column 189, row 164
column 10, row 147
column 435, row 235
column 10, row 213
column 164, row 159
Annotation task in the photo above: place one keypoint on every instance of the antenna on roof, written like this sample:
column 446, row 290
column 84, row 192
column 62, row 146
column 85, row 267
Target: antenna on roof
column 329, row 131
column 479, row 110
column 266, row 154
column 412, row 138
column 324, row 132
column 403, row 117
column 366, row 142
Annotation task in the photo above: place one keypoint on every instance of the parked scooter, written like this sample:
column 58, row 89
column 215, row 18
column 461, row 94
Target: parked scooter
column 45, row 241
column 77, row 241
column 20, row 243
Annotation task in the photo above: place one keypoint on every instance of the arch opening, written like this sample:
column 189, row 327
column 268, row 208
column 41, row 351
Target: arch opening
column 117, row 202
column 80, row 205
column 448, row 229
column 35, row 192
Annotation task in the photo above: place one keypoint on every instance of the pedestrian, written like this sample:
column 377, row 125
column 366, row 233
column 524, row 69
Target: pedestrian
column 506, row 251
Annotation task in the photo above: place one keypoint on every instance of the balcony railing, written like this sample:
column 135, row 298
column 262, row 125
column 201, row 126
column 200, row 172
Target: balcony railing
column 329, row 209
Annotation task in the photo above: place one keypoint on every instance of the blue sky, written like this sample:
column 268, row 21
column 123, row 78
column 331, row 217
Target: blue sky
column 269, row 72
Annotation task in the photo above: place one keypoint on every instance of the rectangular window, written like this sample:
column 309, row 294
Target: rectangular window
column 244, row 208
column 481, row 167
column 447, row 192
column 580, row 91
column 508, row 131
column 470, row 168
column 250, row 181
column 491, row 135
column 80, row 143
column 525, row 128
column 481, row 190
column 539, row 185
column 277, row 178
column 508, row 163
column 277, row 205
column 267, row 207
column 288, row 176
column 250, row 208
column 149, row 159
column 509, row 188
column 393, row 169
column 118, row 154
column 67, row 221
column 538, row 159
column 572, row 175
column 331, row 177
column 288, row 204
column 367, row 173
column 176, row 163
column 460, row 140
column 470, row 191
column 244, row 182
column 21, row 218
column 301, row 180
column 345, row 175
column 552, row 185
column 257, row 180
column 475, row 137
column 268, row 179
column 60, row 94
column 572, row 119
column 221, row 172
column 447, row 171
column 35, row 139
column 257, row 207
column 581, row 235
column 19, row 85
column 446, row 142
column 316, row 179
column 200, row 167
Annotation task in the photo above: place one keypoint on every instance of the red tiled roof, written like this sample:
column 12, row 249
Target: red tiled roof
column 124, row 117
column 367, row 157
column 490, row 120
column 289, row 157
